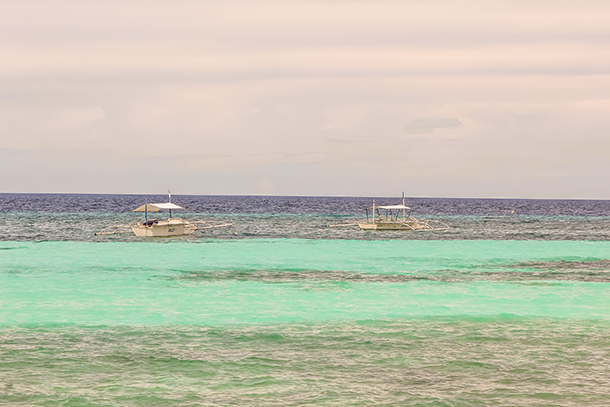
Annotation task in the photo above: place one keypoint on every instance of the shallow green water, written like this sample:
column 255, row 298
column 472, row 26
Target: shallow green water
column 305, row 322
column 294, row 281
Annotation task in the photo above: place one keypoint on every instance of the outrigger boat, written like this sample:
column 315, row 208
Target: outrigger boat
column 158, row 227
column 162, row 227
column 395, row 217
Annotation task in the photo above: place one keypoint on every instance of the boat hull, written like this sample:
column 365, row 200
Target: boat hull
column 391, row 226
column 163, row 228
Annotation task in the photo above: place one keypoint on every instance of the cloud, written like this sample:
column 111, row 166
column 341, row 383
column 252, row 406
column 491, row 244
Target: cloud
column 330, row 95
column 77, row 118
column 422, row 126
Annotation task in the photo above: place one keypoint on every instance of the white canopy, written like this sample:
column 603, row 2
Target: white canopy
column 156, row 207
column 394, row 207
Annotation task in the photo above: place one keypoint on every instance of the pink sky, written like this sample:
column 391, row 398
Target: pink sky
column 357, row 98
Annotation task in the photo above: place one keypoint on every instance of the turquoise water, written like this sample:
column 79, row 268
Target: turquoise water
column 222, row 283
column 304, row 322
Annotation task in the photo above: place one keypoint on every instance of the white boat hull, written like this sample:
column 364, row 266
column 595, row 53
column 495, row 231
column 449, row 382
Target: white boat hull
column 161, row 228
column 393, row 226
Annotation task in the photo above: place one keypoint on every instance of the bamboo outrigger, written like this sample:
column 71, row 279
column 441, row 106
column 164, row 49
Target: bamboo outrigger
column 395, row 217
column 162, row 227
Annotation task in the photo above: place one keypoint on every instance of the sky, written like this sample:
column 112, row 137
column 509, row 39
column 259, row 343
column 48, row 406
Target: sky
column 436, row 98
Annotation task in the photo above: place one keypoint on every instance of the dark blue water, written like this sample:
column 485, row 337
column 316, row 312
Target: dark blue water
column 77, row 217
column 214, row 204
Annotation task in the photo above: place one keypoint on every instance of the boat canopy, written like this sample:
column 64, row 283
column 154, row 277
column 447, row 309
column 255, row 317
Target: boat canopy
column 393, row 207
column 156, row 207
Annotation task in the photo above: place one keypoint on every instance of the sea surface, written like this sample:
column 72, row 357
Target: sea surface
column 509, row 307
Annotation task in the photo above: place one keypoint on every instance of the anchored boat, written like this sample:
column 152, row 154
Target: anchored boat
column 395, row 217
column 162, row 227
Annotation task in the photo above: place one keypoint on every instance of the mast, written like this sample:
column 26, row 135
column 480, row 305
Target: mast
column 169, row 192
column 373, row 210
column 403, row 204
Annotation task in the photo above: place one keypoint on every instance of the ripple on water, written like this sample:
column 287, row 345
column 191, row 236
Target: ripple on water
column 486, row 360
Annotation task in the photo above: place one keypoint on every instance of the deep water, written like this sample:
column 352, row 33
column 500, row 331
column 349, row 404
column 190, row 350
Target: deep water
column 511, row 306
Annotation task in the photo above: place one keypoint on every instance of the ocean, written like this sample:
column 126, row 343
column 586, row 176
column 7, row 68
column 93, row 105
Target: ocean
column 509, row 307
